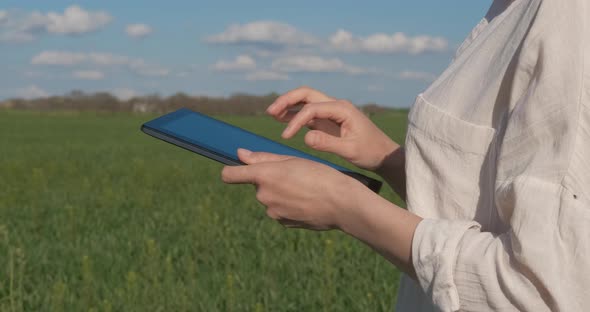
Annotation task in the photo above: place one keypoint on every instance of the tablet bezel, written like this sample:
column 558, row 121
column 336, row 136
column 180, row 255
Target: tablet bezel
column 191, row 147
column 374, row 185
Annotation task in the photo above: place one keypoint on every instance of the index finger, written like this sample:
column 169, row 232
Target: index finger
column 333, row 111
column 294, row 97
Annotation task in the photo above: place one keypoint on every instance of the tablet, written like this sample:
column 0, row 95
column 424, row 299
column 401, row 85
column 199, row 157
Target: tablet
column 220, row 141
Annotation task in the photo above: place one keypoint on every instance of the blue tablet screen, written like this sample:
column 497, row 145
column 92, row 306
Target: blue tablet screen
column 220, row 137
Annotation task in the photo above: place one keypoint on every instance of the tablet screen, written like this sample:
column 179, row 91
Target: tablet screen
column 222, row 138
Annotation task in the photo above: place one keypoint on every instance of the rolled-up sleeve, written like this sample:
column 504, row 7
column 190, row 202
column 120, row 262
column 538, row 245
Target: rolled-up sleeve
column 434, row 250
column 541, row 264
column 497, row 164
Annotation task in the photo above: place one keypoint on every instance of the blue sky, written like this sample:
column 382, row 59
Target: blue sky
column 376, row 51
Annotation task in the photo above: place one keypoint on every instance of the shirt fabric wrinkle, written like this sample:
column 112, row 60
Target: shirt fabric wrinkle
column 496, row 149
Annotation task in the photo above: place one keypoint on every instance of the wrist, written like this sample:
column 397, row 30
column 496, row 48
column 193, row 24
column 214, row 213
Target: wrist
column 393, row 162
column 383, row 226
column 350, row 204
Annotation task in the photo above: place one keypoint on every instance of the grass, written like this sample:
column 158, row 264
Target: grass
column 96, row 216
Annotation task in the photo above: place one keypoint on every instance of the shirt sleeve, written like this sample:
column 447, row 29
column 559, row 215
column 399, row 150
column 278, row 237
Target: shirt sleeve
column 542, row 261
column 541, row 264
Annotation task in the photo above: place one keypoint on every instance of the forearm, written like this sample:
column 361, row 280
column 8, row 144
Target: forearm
column 393, row 171
column 385, row 227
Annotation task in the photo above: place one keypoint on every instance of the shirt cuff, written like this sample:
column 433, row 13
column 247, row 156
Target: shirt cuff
column 434, row 252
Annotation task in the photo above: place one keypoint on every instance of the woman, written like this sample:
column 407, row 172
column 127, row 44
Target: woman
column 496, row 160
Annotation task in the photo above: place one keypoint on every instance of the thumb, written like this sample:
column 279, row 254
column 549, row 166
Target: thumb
column 324, row 142
column 249, row 157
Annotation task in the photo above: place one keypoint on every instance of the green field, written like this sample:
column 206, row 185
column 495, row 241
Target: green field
column 97, row 216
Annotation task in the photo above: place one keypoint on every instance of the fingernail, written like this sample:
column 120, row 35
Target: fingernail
column 270, row 108
column 286, row 131
column 244, row 151
column 312, row 138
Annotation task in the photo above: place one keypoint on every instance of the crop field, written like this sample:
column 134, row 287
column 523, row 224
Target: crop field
column 97, row 216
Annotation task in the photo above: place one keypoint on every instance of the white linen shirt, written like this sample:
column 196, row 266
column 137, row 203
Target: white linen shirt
column 498, row 164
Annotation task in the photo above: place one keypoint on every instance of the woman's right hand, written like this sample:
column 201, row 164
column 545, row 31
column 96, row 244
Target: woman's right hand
column 337, row 127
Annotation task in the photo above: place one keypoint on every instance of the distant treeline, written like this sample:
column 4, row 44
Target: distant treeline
column 238, row 104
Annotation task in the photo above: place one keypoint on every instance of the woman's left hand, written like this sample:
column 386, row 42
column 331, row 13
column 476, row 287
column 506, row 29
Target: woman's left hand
column 297, row 192
column 306, row 194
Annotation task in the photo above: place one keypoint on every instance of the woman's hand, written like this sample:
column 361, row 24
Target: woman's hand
column 297, row 192
column 337, row 127
column 306, row 194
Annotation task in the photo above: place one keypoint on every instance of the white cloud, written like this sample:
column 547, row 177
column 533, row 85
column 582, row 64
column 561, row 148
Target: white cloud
column 264, row 75
column 18, row 26
column 138, row 30
column 314, row 64
column 31, row 92
column 268, row 33
column 66, row 58
column 241, row 63
column 88, row 74
column 416, row 75
column 76, row 20
column 384, row 43
column 59, row 58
